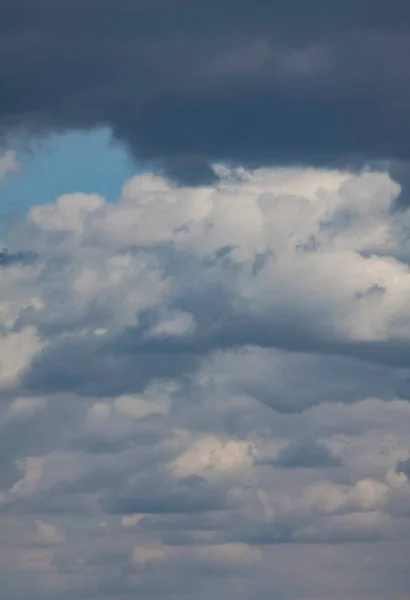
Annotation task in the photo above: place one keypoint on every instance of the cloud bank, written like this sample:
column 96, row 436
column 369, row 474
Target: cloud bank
column 186, row 84
column 204, row 391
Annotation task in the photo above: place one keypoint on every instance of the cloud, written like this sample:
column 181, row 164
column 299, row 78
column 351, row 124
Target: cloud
column 204, row 386
column 8, row 163
column 328, row 498
column 308, row 455
column 156, row 403
column 236, row 554
column 25, row 408
column 372, row 526
column 337, row 246
column 403, row 466
column 257, row 85
column 142, row 556
column 48, row 534
column 17, row 351
column 210, row 455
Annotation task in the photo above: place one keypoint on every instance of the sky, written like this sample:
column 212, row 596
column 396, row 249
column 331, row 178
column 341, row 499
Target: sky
column 204, row 300
column 44, row 169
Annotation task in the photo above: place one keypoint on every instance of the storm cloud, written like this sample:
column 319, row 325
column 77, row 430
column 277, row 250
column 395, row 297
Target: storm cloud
column 185, row 84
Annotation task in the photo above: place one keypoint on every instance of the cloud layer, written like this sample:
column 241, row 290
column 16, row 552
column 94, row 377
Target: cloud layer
column 204, row 391
column 187, row 84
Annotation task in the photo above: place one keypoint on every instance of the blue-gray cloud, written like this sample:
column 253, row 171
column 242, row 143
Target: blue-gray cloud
column 305, row 455
column 184, row 85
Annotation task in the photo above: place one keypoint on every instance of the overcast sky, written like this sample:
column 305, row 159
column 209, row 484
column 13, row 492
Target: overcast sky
column 204, row 324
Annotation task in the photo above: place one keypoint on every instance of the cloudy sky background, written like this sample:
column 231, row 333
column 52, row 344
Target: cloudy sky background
column 205, row 300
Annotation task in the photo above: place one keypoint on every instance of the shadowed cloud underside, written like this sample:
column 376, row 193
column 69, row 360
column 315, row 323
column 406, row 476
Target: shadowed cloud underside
column 185, row 84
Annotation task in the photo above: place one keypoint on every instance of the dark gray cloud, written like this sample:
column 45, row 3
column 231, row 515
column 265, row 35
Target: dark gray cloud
column 8, row 259
column 403, row 466
column 305, row 455
column 192, row 494
column 185, row 84
column 93, row 368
